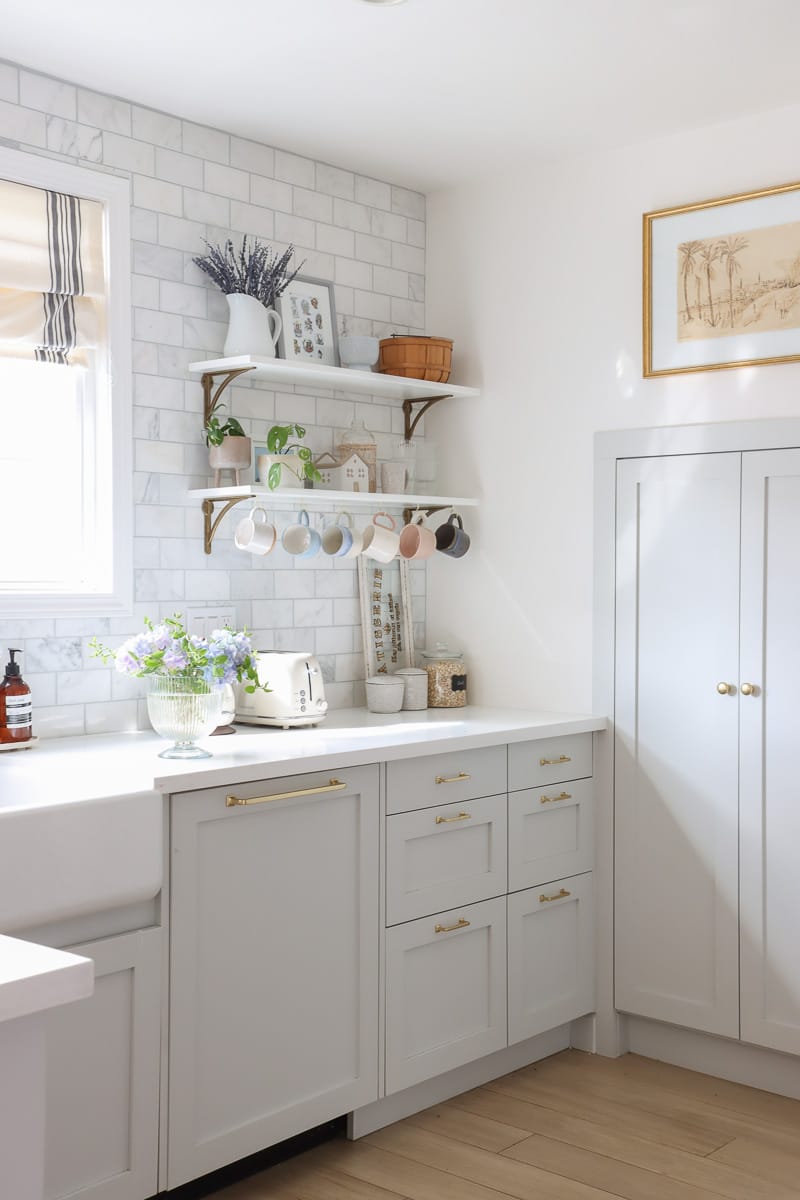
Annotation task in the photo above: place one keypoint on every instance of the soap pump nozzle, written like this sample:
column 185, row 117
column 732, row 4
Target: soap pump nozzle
column 12, row 667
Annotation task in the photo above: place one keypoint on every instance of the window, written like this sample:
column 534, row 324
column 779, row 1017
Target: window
column 65, row 408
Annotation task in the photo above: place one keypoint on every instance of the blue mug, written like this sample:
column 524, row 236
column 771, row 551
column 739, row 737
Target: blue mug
column 301, row 540
column 451, row 538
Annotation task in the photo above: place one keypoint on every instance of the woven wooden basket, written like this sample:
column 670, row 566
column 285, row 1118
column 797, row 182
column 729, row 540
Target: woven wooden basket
column 416, row 357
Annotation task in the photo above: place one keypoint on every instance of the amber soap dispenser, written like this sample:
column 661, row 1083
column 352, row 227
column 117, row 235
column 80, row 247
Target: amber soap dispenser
column 16, row 704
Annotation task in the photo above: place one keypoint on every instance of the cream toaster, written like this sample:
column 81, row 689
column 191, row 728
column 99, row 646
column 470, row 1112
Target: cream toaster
column 296, row 695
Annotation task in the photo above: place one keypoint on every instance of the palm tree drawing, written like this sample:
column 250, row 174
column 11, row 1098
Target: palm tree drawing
column 688, row 251
column 709, row 254
column 729, row 249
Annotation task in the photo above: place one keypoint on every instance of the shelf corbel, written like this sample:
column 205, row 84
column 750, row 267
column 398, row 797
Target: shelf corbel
column 211, row 523
column 428, row 509
column 211, row 395
column 408, row 411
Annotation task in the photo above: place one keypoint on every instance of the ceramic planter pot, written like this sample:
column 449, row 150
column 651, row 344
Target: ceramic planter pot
column 234, row 455
column 291, row 470
column 358, row 353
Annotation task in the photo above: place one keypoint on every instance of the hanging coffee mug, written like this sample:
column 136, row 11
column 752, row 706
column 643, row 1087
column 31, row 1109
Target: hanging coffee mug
column 416, row 540
column 255, row 533
column 301, row 540
column 381, row 543
column 451, row 538
column 337, row 539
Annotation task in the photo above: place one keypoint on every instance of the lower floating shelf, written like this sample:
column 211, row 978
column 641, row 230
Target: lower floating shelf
column 316, row 499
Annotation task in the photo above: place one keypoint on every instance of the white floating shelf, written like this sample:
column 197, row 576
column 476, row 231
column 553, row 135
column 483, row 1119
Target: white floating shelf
column 321, row 498
column 340, row 379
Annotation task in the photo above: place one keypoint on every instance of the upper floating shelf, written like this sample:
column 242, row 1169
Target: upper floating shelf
column 340, row 379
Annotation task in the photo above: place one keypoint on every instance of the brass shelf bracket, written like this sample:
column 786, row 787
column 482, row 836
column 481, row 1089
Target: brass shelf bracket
column 212, row 395
column 408, row 412
column 209, row 524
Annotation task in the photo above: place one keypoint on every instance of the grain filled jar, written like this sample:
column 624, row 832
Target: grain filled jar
column 447, row 677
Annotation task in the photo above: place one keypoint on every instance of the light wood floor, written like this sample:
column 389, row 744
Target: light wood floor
column 573, row 1127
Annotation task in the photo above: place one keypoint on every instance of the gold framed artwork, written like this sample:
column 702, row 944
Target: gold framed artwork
column 722, row 283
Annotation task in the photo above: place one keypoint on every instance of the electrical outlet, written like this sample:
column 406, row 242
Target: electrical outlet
column 201, row 619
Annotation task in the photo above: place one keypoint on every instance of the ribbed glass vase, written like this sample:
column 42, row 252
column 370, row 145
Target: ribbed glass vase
column 183, row 708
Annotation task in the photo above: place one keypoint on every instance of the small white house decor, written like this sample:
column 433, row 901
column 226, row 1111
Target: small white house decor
column 349, row 475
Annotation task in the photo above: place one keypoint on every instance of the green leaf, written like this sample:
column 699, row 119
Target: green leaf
column 274, row 476
column 304, row 453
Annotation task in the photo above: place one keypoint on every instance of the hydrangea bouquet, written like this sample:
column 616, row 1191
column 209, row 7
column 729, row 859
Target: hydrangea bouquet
column 167, row 649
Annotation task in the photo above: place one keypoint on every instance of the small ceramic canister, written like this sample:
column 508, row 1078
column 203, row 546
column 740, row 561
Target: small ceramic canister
column 385, row 694
column 255, row 533
column 337, row 539
column 416, row 688
column 380, row 541
column 394, row 477
column 451, row 538
column 301, row 540
column 416, row 540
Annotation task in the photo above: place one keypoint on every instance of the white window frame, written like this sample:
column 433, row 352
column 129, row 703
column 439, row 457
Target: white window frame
column 113, row 193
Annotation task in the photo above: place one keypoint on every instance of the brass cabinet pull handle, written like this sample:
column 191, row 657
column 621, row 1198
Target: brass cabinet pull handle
column 459, row 778
column 725, row 689
column 554, row 762
column 461, row 817
column 748, row 689
column 460, row 924
column 558, row 896
column 335, row 785
column 552, row 799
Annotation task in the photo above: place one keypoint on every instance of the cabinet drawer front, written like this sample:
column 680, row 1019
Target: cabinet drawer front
column 445, row 992
column 550, row 760
column 443, row 856
column 445, row 778
column 550, row 833
column 550, row 956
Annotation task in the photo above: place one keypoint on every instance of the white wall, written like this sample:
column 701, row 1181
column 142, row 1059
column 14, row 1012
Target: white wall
column 537, row 277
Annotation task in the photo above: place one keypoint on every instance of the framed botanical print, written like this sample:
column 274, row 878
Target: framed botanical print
column 722, row 283
column 309, row 332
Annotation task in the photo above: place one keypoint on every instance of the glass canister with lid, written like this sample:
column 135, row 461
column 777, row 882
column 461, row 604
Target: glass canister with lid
column 447, row 676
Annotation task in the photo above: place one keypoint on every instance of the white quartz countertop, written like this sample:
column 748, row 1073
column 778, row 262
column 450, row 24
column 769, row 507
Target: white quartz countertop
column 33, row 978
column 105, row 766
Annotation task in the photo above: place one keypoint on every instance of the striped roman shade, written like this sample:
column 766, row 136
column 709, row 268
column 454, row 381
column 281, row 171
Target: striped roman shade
column 51, row 274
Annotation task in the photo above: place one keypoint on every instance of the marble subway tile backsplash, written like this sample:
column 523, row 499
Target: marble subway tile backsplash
column 189, row 183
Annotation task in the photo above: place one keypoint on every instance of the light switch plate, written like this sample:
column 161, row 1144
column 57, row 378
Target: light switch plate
column 201, row 619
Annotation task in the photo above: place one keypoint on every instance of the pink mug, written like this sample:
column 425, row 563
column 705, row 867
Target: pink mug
column 416, row 540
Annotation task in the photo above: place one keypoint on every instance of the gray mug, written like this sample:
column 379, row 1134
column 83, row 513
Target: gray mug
column 451, row 538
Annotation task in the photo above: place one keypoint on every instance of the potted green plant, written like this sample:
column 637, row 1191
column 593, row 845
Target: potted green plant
column 285, row 455
column 229, row 447
column 251, row 278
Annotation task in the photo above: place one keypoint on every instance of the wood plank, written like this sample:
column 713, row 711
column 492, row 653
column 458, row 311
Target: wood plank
column 480, row 1167
column 469, row 1127
column 618, row 1143
column 614, row 1176
column 781, row 1167
column 580, row 1102
column 647, row 1096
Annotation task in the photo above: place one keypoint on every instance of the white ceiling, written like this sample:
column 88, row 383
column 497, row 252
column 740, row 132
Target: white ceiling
column 431, row 91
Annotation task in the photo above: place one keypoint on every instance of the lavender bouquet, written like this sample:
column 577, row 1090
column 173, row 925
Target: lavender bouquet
column 254, row 271
column 167, row 649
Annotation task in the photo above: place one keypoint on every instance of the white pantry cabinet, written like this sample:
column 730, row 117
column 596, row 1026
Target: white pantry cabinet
column 274, row 971
column 103, row 1076
column 707, row 659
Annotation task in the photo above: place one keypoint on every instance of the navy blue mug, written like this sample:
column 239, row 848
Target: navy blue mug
column 451, row 538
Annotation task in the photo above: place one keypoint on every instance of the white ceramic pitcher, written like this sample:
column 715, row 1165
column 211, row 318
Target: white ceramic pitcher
column 252, row 328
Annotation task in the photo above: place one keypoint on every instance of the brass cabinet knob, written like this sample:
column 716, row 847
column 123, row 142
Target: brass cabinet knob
column 747, row 689
column 724, row 688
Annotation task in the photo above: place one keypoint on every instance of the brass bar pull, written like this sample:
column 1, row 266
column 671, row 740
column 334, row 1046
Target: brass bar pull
column 552, row 799
column 558, row 896
column 335, row 785
column 460, row 817
column 554, row 762
column 459, row 778
column 460, row 924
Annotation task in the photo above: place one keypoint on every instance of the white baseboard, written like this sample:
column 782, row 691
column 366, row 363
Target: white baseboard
column 736, row 1061
column 444, row 1087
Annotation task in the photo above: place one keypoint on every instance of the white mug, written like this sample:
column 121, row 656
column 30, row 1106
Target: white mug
column 255, row 533
column 380, row 541
column 301, row 540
